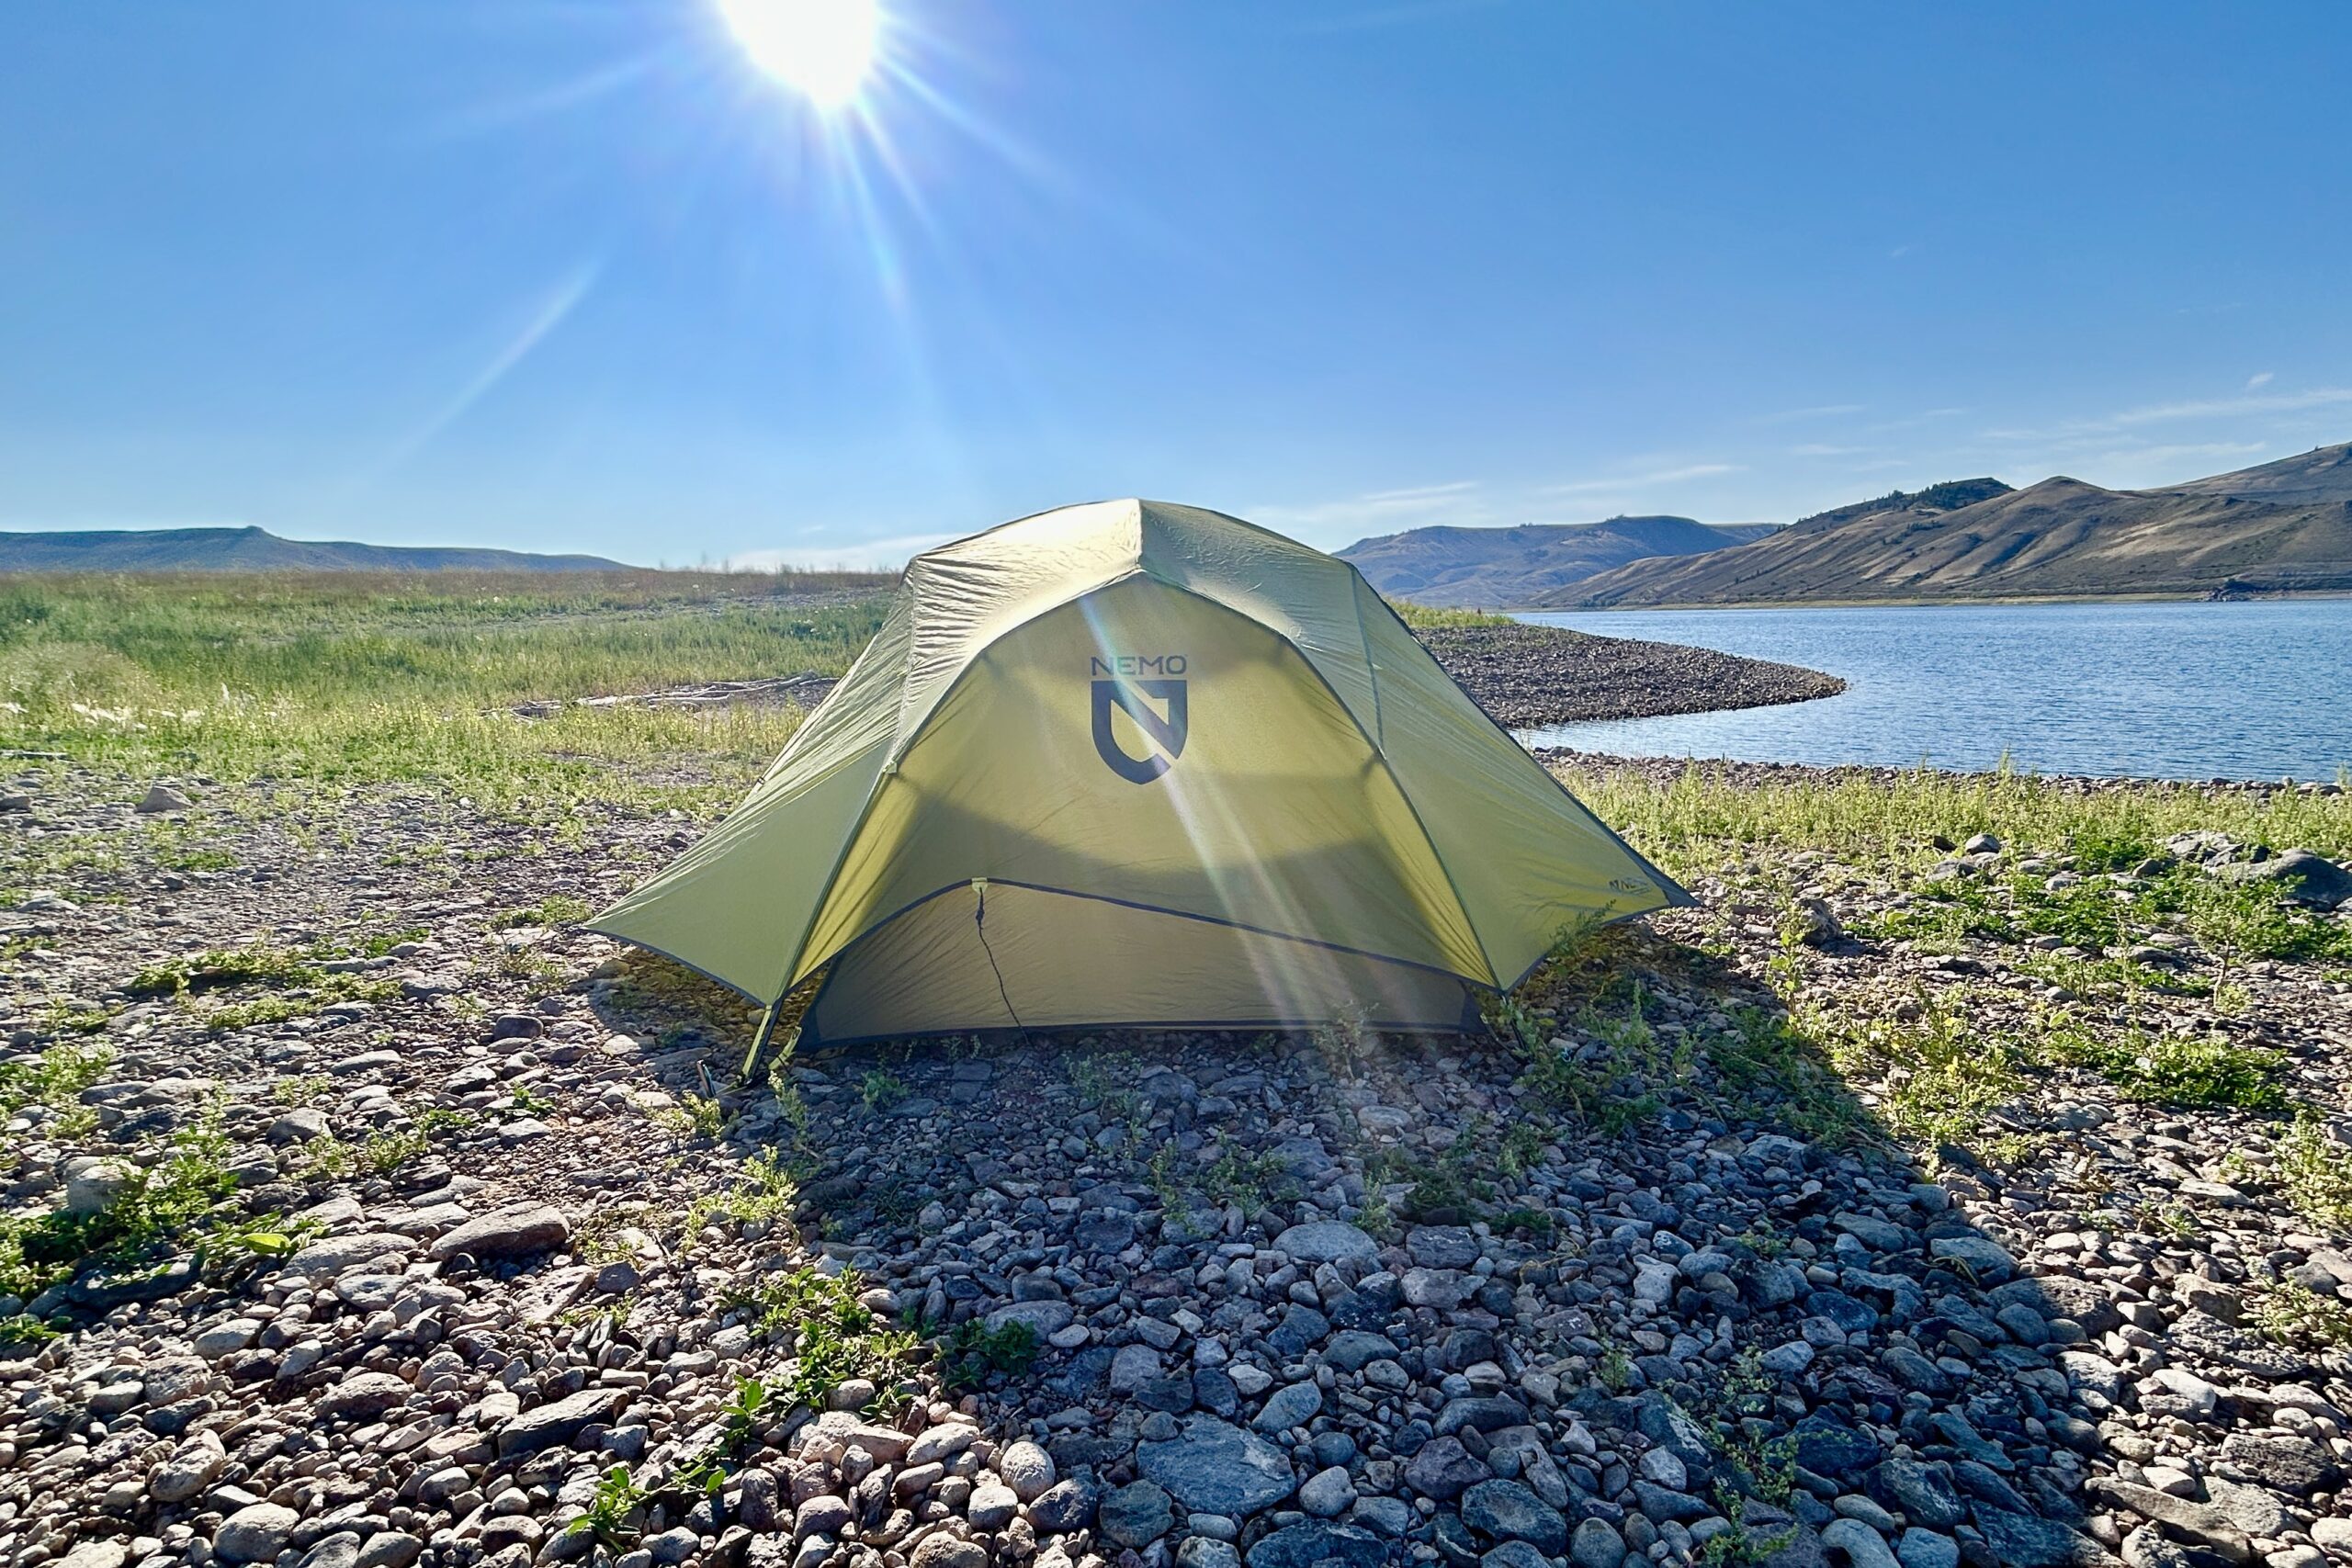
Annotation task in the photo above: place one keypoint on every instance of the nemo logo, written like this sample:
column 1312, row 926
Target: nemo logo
column 1149, row 689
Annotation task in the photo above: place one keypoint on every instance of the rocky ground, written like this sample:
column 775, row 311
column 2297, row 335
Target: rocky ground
column 473, row 1248
column 1530, row 675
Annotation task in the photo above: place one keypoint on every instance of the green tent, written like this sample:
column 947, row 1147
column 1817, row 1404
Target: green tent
column 1136, row 763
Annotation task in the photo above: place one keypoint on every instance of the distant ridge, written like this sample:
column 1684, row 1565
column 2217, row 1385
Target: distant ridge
column 2280, row 527
column 256, row 550
column 1505, row 568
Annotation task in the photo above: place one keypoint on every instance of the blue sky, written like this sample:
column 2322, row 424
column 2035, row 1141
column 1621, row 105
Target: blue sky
column 573, row 275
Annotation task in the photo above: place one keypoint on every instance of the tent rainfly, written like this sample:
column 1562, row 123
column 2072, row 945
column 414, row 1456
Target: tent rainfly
column 1137, row 763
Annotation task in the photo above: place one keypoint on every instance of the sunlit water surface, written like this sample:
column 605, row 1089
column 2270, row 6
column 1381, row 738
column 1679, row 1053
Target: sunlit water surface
column 2186, row 691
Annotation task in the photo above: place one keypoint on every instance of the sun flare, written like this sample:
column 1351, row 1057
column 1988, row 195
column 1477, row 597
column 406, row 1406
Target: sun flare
column 821, row 49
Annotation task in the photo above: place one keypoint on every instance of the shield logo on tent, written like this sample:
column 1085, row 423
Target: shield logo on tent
column 1163, row 726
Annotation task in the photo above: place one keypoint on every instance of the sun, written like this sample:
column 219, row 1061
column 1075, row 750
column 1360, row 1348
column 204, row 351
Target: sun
column 821, row 49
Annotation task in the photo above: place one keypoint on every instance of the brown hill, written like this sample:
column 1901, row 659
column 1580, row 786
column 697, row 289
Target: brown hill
column 2284, row 526
column 1487, row 567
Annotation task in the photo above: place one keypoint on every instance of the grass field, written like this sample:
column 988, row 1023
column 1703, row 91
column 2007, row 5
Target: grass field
column 1702, row 817
column 368, row 678
column 359, row 679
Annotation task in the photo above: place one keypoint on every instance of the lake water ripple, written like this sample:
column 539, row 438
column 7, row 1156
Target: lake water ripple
column 2180, row 691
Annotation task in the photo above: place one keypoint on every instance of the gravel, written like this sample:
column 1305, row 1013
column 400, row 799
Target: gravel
column 1298, row 1300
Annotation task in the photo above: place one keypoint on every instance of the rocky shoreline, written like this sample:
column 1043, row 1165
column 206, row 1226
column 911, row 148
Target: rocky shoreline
column 486, row 1256
column 1663, row 772
column 1524, row 676
column 1527, row 676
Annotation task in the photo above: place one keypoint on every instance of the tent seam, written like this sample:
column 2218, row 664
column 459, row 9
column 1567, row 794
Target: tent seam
column 910, row 906
column 1677, row 896
column 1461, row 906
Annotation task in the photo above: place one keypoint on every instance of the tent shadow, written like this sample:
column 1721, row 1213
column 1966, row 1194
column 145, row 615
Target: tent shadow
column 1659, row 1222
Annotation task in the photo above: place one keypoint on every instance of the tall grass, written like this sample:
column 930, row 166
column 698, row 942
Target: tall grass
column 1702, row 813
column 1422, row 616
column 366, row 677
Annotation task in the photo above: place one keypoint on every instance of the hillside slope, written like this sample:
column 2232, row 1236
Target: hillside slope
column 1484, row 567
column 2282, row 526
column 256, row 550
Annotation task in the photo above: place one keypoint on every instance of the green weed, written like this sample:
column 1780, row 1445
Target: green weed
column 973, row 1351
column 554, row 909
column 2299, row 1317
column 2316, row 1172
column 614, row 1512
column 158, row 1207
column 834, row 1337
column 56, row 1080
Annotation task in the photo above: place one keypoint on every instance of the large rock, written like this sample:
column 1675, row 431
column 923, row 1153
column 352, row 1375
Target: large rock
column 1507, row 1511
column 2056, row 1296
column 941, row 1443
column 254, row 1533
column 506, row 1232
column 1442, row 1469
column 1827, row 1446
column 2024, row 1542
column 1293, row 1405
column 2299, row 874
column 1328, row 1241
column 1027, row 1468
column 1062, row 1508
column 1214, row 1467
column 948, row 1551
column 1135, row 1514
column 2203, row 1523
column 93, row 1183
column 886, row 1445
column 1441, row 1246
column 2284, row 1463
column 553, row 1426
column 1987, row 1262
column 339, row 1253
column 364, row 1395
column 1319, row 1545
column 1861, row 1546
column 1596, row 1544
column 1042, row 1319
column 190, row 1470
column 162, row 797
column 1923, row 1495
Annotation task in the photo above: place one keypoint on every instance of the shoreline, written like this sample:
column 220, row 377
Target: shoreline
column 1742, row 774
column 1528, row 676
column 2013, row 600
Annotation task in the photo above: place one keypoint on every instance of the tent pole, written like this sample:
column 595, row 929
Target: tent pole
column 759, row 1040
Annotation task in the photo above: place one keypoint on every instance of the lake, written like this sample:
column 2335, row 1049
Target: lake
column 2184, row 691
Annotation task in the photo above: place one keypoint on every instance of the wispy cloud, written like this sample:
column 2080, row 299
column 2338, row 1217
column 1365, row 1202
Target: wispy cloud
column 862, row 555
column 2148, row 460
column 1639, row 481
column 1819, row 411
column 1416, row 494
column 1913, row 420
column 1471, row 503
column 1822, row 449
column 1457, row 501
column 2243, row 405
column 2259, row 378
